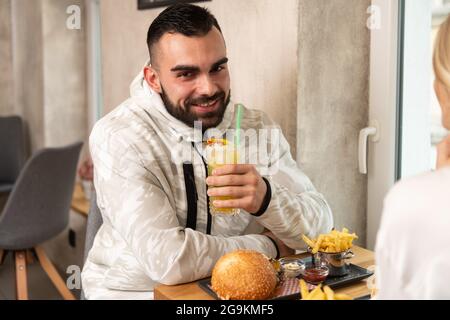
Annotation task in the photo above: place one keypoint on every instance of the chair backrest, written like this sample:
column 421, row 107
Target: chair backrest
column 94, row 222
column 12, row 148
column 38, row 206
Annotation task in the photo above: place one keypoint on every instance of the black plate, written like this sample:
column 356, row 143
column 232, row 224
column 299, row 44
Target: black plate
column 356, row 274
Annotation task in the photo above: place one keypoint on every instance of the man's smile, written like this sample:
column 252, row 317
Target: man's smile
column 206, row 107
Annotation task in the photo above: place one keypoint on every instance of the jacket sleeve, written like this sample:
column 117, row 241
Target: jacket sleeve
column 296, row 207
column 134, row 204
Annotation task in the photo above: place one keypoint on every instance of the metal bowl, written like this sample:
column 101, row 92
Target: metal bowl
column 337, row 262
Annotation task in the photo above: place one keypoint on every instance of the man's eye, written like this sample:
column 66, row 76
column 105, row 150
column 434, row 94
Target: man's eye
column 218, row 69
column 185, row 75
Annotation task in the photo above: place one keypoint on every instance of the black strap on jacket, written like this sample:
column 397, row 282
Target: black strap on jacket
column 208, row 210
column 266, row 200
column 191, row 195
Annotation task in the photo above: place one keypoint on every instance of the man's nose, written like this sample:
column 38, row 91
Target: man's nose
column 206, row 86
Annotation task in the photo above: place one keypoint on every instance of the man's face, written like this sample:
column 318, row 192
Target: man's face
column 193, row 77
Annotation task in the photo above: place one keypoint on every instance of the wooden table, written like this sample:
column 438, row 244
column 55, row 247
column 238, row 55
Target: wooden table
column 80, row 203
column 191, row 291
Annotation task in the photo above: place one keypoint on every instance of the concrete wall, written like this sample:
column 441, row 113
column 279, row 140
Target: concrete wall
column 333, row 103
column 6, row 85
column 263, row 55
column 43, row 66
column 65, row 74
column 27, row 68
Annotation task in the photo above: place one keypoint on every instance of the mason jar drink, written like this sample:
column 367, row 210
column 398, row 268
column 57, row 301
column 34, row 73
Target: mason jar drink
column 218, row 153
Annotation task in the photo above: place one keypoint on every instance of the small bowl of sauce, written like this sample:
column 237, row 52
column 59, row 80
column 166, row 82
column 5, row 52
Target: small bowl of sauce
column 291, row 267
column 315, row 275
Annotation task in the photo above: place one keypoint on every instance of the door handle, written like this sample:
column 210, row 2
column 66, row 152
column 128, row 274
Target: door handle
column 372, row 130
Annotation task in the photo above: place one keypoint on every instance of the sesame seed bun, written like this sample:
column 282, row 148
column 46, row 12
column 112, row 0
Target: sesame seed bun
column 243, row 275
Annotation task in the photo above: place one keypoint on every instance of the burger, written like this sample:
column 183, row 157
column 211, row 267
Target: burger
column 244, row 275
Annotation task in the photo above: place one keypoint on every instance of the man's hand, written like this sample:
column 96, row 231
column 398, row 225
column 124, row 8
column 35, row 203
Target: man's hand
column 282, row 248
column 443, row 153
column 86, row 170
column 242, row 182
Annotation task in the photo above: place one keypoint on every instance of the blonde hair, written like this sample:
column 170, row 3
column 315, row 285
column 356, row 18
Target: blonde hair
column 441, row 56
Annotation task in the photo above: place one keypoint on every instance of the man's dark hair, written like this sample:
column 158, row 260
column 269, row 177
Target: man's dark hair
column 187, row 19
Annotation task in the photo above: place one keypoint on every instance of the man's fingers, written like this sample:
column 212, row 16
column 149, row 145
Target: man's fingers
column 233, row 203
column 236, row 192
column 229, row 180
column 233, row 169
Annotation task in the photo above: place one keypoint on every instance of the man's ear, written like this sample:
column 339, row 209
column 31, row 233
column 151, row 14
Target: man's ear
column 152, row 79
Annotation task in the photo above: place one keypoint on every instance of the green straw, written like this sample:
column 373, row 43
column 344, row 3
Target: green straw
column 239, row 111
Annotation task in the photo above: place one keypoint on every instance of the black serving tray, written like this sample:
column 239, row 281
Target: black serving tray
column 355, row 274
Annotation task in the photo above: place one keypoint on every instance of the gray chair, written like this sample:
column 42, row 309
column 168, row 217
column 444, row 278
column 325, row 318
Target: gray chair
column 94, row 223
column 12, row 146
column 38, row 210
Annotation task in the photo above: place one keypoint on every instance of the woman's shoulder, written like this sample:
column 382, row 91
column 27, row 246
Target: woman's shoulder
column 427, row 191
column 416, row 204
column 428, row 183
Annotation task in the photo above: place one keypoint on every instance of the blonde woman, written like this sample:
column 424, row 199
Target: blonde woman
column 412, row 250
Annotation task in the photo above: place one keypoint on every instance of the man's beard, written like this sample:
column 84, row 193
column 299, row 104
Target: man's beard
column 209, row 120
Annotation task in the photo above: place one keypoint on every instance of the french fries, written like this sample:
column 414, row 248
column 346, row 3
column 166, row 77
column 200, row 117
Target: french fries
column 333, row 242
column 318, row 294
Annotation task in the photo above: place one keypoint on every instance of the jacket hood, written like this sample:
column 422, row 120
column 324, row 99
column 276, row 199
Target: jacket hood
column 151, row 101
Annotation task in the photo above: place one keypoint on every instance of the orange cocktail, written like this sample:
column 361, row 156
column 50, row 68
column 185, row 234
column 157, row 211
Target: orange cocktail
column 218, row 153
